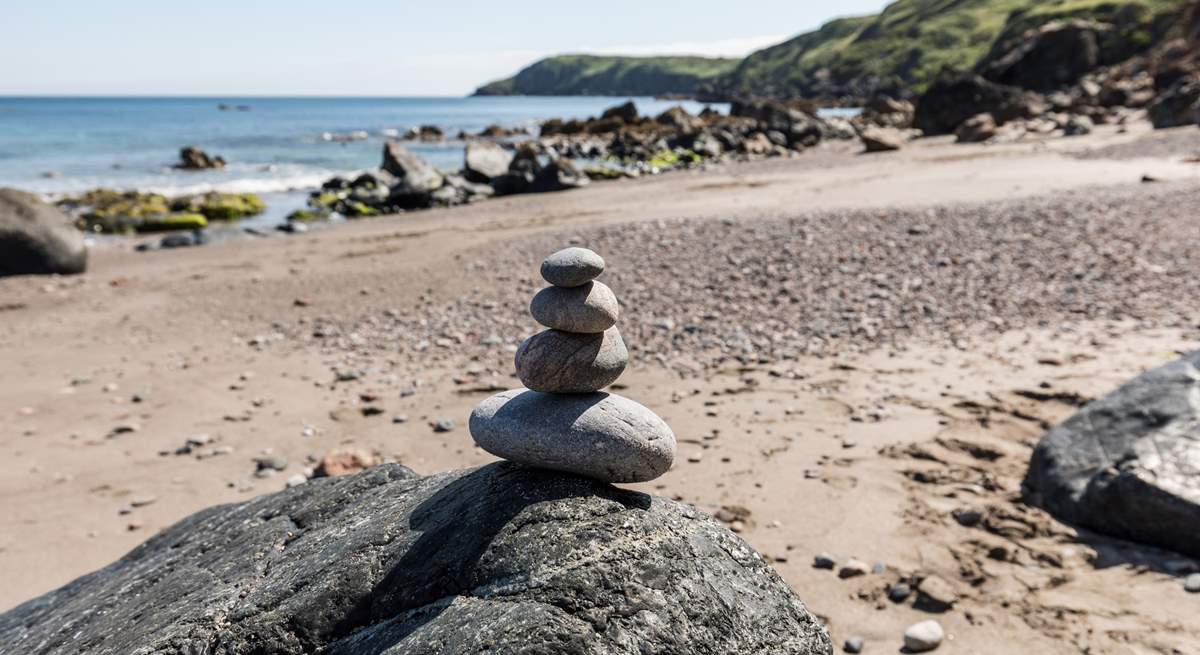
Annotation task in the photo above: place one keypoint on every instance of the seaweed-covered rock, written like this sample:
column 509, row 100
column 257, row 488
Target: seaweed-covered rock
column 499, row 559
column 36, row 238
column 1128, row 464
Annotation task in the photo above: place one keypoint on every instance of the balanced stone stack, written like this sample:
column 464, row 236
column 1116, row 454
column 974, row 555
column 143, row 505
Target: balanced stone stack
column 562, row 420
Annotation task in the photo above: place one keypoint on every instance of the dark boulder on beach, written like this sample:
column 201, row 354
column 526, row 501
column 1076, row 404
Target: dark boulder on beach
column 1049, row 57
column 1128, row 465
column 416, row 179
column 1178, row 105
column 37, row 238
column 498, row 559
column 192, row 158
column 954, row 98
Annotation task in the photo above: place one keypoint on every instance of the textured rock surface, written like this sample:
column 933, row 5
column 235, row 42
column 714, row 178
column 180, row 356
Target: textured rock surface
column 600, row 435
column 590, row 308
column 571, row 267
column 36, row 238
column 500, row 559
column 414, row 175
column 484, row 160
column 566, row 362
column 1128, row 464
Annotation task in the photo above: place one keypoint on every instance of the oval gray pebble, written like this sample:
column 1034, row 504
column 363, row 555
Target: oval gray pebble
column 600, row 435
column 572, row 267
column 565, row 362
column 588, row 308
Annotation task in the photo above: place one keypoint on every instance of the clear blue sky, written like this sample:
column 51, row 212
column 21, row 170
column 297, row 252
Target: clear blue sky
column 364, row 47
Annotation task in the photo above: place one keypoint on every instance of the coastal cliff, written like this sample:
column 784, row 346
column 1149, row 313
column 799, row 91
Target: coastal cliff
column 611, row 76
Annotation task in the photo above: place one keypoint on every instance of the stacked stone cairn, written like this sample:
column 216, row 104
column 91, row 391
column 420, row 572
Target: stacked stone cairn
column 562, row 420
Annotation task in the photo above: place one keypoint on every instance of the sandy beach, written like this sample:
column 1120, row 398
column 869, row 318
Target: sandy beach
column 849, row 348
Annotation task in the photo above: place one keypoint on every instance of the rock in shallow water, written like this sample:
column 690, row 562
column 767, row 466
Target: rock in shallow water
column 589, row 308
column 600, row 435
column 571, row 267
column 499, row 559
column 553, row 361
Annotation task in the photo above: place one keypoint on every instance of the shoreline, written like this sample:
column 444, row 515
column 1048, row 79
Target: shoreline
column 279, row 344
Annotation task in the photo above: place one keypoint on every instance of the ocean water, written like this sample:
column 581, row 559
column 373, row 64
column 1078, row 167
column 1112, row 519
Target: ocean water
column 65, row 145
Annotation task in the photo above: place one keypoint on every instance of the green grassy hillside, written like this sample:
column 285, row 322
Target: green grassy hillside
column 619, row 76
column 912, row 40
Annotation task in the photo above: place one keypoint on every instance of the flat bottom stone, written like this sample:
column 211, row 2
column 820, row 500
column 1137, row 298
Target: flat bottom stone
column 601, row 435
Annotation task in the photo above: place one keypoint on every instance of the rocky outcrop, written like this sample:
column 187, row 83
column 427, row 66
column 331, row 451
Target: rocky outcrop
column 36, row 238
column 1128, row 464
column 953, row 98
column 485, row 161
column 192, row 158
column 1052, row 56
column 1177, row 106
column 976, row 129
column 499, row 559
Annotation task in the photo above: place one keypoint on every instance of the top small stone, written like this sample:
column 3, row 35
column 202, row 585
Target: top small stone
column 572, row 267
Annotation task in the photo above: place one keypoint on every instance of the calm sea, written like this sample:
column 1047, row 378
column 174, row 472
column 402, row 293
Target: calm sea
column 58, row 145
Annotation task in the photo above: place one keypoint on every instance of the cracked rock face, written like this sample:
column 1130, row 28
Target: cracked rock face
column 1128, row 464
column 499, row 559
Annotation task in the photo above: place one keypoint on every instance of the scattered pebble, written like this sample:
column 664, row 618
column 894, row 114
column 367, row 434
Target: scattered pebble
column 854, row 645
column 824, row 561
column 443, row 425
column 899, row 592
column 853, row 569
column 1191, row 584
column 924, row 636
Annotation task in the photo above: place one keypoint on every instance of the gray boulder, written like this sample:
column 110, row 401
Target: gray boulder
column 1179, row 105
column 413, row 174
column 36, row 238
column 601, row 435
column 1128, row 464
column 567, row 362
column 590, row 308
column 499, row 559
column 484, row 160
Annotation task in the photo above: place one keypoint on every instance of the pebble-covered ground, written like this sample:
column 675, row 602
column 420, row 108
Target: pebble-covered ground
column 702, row 294
column 1181, row 142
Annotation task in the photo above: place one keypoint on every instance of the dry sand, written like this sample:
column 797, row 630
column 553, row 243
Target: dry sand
column 858, row 452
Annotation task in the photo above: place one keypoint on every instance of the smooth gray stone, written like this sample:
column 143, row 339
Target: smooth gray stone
column 498, row 559
column 589, row 308
column 600, row 435
column 924, row 636
column 1128, row 464
column 572, row 267
column 37, row 238
column 565, row 362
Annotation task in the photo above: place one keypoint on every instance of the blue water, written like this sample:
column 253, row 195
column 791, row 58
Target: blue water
column 275, row 146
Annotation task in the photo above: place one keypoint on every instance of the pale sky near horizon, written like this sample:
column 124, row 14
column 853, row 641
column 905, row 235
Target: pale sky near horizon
column 369, row 47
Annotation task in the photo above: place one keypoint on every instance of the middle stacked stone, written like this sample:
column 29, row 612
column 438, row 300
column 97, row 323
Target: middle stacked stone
column 582, row 351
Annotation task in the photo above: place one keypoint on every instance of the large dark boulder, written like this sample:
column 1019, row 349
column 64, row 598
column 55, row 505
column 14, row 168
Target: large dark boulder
column 627, row 112
column 36, row 238
column 1049, row 57
column 953, row 98
column 499, row 559
column 1128, row 464
column 1178, row 105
